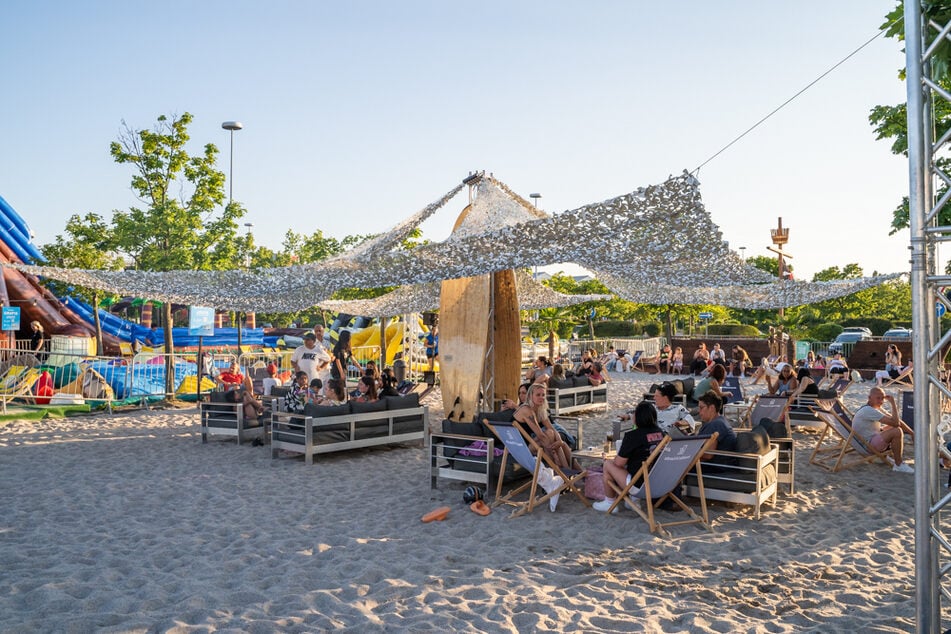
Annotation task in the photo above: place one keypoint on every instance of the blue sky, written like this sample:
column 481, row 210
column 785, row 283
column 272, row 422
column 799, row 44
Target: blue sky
column 358, row 114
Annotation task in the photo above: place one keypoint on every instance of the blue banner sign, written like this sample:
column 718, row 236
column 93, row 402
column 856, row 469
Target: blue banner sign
column 10, row 318
column 201, row 321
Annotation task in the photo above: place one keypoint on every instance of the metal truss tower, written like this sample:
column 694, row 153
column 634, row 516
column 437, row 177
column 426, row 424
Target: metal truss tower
column 932, row 546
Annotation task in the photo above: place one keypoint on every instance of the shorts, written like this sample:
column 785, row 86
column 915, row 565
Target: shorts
column 837, row 370
column 878, row 443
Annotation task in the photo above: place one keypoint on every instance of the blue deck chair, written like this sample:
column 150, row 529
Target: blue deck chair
column 661, row 475
column 769, row 406
column 731, row 385
column 519, row 444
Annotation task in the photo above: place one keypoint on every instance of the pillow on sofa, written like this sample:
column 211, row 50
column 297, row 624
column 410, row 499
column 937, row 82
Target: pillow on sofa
column 503, row 416
column 410, row 401
column 559, row 384
column 325, row 411
column 581, row 381
column 364, row 408
column 754, row 441
column 773, row 428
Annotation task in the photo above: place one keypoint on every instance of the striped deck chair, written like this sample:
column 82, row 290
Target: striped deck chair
column 661, row 476
column 519, row 445
column 19, row 385
column 904, row 379
column 845, row 442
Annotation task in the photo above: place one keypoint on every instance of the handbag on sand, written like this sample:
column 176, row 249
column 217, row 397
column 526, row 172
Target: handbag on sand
column 594, row 484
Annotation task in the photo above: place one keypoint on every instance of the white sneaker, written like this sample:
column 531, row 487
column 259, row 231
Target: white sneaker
column 890, row 460
column 604, row 505
column 553, row 502
column 903, row 468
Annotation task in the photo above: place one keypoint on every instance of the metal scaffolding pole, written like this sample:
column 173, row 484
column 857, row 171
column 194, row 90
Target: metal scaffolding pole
column 928, row 345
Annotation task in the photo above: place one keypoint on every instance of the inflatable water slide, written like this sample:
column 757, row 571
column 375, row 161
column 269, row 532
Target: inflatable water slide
column 69, row 316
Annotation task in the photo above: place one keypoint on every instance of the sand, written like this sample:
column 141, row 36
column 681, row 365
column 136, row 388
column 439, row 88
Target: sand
column 128, row 523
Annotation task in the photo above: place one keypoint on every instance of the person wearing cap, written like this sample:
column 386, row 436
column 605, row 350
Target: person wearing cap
column 272, row 380
column 309, row 358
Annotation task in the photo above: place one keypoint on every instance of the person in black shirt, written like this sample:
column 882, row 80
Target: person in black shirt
column 635, row 449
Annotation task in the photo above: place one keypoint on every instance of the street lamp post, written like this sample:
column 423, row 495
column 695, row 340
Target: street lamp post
column 231, row 126
column 743, row 253
column 247, row 253
column 535, row 196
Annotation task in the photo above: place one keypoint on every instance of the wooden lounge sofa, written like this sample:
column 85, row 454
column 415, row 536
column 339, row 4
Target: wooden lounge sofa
column 219, row 417
column 746, row 476
column 452, row 459
column 323, row 429
column 574, row 395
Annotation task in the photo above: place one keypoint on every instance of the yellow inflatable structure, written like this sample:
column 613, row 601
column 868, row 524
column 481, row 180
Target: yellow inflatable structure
column 369, row 337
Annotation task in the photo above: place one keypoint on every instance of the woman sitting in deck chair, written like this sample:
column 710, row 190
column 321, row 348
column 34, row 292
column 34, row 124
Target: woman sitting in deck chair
column 533, row 415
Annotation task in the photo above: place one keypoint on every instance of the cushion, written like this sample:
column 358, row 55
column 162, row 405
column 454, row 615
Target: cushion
column 325, row 411
column 409, row 401
column 773, row 428
column 561, row 384
column 754, row 441
column 280, row 391
column 581, row 381
column 504, row 416
column 363, row 408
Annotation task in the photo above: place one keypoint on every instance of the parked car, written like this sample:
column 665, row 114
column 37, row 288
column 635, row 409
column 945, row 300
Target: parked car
column 897, row 334
column 850, row 338
column 857, row 329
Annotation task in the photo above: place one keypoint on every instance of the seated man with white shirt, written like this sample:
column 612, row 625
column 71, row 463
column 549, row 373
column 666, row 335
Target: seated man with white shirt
column 881, row 430
column 672, row 416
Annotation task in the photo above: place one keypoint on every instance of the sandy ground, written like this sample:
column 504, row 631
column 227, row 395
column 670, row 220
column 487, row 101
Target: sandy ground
column 130, row 524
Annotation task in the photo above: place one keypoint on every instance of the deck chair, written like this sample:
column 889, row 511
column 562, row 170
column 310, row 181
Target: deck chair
column 125, row 349
column 904, row 379
column 661, row 475
column 649, row 362
column 635, row 360
column 731, row 385
column 768, row 406
column 519, row 445
column 838, row 428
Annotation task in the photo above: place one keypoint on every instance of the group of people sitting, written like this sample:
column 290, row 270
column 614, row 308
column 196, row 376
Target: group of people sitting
column 319, row 377
column 544, row 371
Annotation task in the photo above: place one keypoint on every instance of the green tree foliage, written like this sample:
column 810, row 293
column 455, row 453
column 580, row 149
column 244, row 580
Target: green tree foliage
column 825, row 332
column 85, row 244
column 764, row 263
column 890, row 122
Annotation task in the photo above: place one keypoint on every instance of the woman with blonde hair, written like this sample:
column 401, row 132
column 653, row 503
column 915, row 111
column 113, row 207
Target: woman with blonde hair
column 37, row 339
column 533, row 415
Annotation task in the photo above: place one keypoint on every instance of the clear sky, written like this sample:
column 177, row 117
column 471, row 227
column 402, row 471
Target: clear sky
column 358, row 114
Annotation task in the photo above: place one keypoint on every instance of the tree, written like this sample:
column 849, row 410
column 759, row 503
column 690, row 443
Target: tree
column 87, row 244
column 178, row 227
column 890, row 122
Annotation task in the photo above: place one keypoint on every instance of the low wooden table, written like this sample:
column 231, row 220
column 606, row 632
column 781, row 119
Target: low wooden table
column 735, row 412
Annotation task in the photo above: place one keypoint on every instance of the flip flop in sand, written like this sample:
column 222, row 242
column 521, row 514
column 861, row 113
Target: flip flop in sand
column 436, row 515
column 480, row 507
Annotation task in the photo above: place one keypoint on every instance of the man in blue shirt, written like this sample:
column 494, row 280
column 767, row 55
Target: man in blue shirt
column 713, row 421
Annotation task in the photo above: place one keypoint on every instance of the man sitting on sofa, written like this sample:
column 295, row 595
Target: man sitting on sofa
column 713, row 421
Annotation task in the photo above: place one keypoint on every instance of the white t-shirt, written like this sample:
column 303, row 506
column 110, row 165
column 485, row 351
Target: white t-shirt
column 309, row 360
column 866, row 422
column 667, row 417
column 268, row 383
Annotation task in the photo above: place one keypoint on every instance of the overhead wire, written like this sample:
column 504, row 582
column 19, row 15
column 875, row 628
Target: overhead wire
column 878, row 34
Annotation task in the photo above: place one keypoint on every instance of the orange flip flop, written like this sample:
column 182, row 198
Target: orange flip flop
column 480, row 507
column 436, row 515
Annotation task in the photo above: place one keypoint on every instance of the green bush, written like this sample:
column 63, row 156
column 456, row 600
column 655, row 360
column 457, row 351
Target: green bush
column 614, row 328
column 652, row 329
column 825, row 332
column 736, row 330
column 877, row 325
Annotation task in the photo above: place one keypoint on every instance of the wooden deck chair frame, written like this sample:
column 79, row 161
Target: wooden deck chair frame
column 838, row 424
column 905, row 378
column 649, row 362
column 768, row 406
column 662, row 475
column 519, row 445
